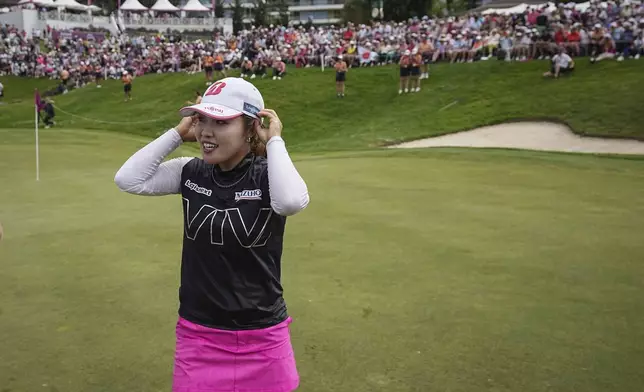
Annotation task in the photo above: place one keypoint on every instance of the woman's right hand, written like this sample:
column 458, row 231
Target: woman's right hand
column 186, row 129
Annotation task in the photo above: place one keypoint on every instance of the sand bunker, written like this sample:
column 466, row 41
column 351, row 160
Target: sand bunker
column 542, row 136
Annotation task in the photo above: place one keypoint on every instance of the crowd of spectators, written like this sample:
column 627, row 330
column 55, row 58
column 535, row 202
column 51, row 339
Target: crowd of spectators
column 612, row 29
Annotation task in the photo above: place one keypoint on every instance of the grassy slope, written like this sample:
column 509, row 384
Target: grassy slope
column 602, row 99
column 427, row 270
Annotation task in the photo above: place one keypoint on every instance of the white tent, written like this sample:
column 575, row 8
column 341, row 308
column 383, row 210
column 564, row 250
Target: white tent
column 70, row 5
column 41, row 3
column 517, row 9
column 133, row 5
column 164, row 6
column 522, row 7
column 195, row 6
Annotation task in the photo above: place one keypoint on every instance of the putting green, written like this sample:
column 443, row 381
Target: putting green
column 446, row 270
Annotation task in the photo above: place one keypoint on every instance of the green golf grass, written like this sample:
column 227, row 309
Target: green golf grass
column 410, row 271
column 445, row 269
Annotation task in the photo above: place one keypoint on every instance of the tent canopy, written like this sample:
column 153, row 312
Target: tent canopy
column 133, row 5
column 70, row 5
column 195, row 6
column 164, row 5
column 41, row 3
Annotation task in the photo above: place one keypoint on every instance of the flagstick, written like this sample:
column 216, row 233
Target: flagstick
column 37, row 152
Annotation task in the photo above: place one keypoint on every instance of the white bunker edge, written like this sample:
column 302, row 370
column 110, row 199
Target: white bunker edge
column 539, row 136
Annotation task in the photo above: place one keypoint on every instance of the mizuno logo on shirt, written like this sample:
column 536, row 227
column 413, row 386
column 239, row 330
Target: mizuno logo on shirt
column 255, row 194
column 196, row 188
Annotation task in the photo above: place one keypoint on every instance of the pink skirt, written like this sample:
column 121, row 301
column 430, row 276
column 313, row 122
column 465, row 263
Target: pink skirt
column 215, row 360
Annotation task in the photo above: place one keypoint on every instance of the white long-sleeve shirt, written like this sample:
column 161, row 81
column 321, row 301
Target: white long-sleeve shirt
column 146, row 173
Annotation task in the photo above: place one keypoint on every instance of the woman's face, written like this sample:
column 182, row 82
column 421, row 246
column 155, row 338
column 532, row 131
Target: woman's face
column 222, row 141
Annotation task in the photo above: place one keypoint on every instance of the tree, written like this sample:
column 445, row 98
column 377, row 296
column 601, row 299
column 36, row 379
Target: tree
column 357, row 11
column 219, row 9
column 419, row 8
column 238, row 16
column 396, row 9
column 282, row 9
column 260, row 13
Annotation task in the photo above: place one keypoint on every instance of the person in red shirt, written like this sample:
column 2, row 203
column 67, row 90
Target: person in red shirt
column 560, row 37
column 573, row 42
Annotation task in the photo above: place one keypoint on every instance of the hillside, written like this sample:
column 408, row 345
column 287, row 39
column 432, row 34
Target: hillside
column 600, row 100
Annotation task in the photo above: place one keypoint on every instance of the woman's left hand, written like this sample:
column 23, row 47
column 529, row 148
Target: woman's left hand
column 274, row 126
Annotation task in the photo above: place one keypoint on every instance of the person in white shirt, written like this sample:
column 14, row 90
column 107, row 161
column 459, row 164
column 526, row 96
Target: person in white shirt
column 561, row 63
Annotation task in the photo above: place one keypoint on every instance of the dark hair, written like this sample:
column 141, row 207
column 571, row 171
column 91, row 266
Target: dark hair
column 257, row 147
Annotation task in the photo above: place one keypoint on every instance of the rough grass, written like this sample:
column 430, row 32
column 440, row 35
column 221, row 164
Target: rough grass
column 602, row 100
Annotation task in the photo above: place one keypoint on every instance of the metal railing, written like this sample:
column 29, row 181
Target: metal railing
column 129, row 21
column 65, row 17
column 298, row 3
column 170, row 21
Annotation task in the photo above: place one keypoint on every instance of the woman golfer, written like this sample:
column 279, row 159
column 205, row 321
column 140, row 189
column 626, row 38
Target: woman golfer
column 233, row 328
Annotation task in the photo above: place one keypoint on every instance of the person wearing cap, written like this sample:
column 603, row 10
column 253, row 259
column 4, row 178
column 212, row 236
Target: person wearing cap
column 219, row 65
column 47, row 108
column 208, row 64
column 404, row 63
column 340, row 76
column 246, row 68
column 561, row 63
column 596, row 38
column 232, row 332
column 426, row 50
column 279, row 69
column 476, row 50
column 416, row 62
column 98, row 74
column 127, row 85
column 260, row 68
column 457, row 46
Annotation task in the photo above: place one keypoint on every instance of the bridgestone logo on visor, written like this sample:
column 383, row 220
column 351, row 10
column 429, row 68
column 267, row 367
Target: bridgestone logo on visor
column 252, row 109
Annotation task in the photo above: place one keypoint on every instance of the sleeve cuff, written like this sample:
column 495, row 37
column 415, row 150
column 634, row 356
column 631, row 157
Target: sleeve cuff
column 175, row 135
column 273, row 139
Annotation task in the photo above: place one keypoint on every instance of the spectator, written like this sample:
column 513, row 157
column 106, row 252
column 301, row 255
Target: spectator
column 561, row 63
column 48, row 109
